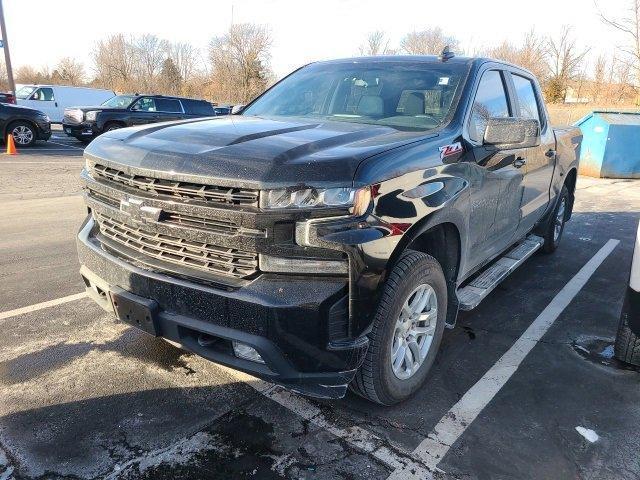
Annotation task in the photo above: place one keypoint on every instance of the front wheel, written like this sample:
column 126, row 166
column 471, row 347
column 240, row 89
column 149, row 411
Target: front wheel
column 24, row 135
column 407, row 331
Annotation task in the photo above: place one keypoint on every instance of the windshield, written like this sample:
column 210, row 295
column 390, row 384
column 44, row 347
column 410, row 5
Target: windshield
column 401, row 95
column 24, row 92
column 119, row 101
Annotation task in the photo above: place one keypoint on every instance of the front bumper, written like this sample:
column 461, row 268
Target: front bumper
column 43, row 131
column 286, row 318
column 81, row 130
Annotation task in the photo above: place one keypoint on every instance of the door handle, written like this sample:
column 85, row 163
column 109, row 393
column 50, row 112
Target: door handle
column 550, row 153
column 519, row 162
column 56, row 104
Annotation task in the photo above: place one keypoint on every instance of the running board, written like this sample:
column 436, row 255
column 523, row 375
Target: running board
column 474, row 292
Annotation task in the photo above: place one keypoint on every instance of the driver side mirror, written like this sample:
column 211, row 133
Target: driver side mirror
column 508, row 133
column 237, row 109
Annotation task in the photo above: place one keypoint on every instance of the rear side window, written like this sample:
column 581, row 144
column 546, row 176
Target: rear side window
column 491, row 101
column 169, row 105
column 526, row 97
column 198, row 107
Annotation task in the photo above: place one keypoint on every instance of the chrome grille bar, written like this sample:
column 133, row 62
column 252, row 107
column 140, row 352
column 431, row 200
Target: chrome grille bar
column 206, row 193
column 196, row 255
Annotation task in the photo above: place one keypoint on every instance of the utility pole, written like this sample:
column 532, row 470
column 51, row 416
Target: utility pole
column 5, row 46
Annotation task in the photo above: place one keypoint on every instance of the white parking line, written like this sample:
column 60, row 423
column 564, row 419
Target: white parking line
column 66, row 145
column 40, row 306
column 356, row 436
column 432, row 449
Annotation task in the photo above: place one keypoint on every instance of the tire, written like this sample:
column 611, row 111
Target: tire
column 377, row 379
column 627, row 347
column 24, row 134
column 112, row 126
column 555, row 226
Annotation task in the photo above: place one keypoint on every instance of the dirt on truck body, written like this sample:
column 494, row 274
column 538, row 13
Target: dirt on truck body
column 326, row 235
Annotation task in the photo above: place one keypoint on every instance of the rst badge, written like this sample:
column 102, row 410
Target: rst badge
column 450, row 150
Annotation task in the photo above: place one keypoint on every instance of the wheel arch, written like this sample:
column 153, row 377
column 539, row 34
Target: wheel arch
column 442, row 239
column 30, row 122
column 570, row 182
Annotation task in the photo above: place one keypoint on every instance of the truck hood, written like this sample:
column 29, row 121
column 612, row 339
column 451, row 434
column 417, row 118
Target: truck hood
column 250, row 152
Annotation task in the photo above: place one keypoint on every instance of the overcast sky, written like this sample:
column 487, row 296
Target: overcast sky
column 42, row 31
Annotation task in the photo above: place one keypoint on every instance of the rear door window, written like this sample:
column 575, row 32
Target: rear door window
column 526, row 94
column 490, row 102
column 168, row 105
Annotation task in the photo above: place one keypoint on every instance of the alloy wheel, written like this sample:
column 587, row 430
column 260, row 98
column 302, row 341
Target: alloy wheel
column 414, row 331
column 22, row 135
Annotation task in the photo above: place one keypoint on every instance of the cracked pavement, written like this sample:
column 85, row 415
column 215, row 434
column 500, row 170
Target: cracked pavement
column 83, row 397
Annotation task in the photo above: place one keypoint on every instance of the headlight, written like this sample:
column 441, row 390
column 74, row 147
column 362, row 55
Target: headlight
column 74, row 114
column 358, row 198
column 91, row 116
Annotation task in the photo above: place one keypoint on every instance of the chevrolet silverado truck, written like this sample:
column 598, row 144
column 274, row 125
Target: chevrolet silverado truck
column 326, row 235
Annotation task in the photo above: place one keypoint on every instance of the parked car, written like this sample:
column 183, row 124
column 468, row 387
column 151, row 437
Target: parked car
column 222, row 110
column 27, row 125
column 627, row 347
column 7, row 97
column 86, row 123
column 53, row 99
column 327, row 234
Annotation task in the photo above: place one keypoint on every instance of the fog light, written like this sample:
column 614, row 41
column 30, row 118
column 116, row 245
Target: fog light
column 245, row 351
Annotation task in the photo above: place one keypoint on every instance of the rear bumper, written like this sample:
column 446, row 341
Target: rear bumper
column 287, row 319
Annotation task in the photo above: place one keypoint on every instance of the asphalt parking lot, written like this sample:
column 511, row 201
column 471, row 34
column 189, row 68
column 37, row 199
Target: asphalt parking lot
column 83, row 397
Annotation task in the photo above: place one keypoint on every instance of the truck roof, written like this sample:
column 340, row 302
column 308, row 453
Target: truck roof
column 435, row 59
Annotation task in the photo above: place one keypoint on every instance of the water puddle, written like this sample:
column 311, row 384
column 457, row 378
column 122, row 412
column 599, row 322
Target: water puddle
column 600, row 351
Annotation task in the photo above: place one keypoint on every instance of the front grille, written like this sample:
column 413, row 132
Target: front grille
column 182, row 190
column 224, row 227
column 186, row 253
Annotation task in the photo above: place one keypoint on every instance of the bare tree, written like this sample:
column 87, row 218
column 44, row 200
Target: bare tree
column 564, row 59
column 240, row 61
column 599, row 78
column 376, row 44
column 629, row 25
column 69, row 71
column 185, row 57
column 114, row 62
column 150, row 53
column 531, row 54
column 428, row 42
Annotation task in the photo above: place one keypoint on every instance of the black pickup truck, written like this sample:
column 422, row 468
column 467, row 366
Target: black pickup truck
column 326, row 235
column 86, row 123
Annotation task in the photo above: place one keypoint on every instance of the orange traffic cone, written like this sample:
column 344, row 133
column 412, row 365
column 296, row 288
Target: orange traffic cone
column 11, row 146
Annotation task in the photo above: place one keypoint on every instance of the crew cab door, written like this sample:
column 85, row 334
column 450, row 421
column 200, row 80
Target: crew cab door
column 143, row 111
column 540, row 160
column 44, row 99
column 497, row 176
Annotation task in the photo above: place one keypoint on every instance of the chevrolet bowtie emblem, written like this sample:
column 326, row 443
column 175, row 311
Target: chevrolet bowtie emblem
column 138, row 211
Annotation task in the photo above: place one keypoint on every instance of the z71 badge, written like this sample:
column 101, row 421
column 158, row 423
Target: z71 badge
column 449, row 150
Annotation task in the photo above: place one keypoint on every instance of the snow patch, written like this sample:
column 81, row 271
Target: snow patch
column 6, row 470
column 179, row 453
column 589, row 434
column 607, row 352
